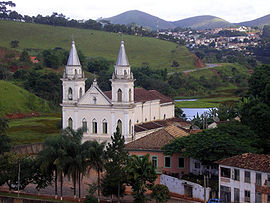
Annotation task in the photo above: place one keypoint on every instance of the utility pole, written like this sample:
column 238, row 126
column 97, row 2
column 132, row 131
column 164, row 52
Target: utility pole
column 19, row 174
column 204, row 187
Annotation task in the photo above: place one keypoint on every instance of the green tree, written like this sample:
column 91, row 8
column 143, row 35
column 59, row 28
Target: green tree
column 266, row 32
column 4, row 139
column 161, row 193
column 14, row 43
column 96, row 159
column 24, row 57
column 141, row 175
column 10, row 167
column 179, row 113
column 227, row 140
column 116, row 156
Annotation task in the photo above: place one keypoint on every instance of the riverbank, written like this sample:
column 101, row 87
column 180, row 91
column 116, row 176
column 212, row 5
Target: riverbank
column 205, row 102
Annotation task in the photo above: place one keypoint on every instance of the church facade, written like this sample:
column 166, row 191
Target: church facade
column 98, row 112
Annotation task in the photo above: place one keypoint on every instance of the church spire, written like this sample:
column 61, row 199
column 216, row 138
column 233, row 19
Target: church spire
column 73, row 59
column 122, row 59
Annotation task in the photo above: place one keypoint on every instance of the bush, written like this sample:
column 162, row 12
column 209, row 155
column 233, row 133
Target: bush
column 161, row 193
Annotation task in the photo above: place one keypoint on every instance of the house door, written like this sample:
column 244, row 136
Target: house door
column 188, row 191
column 225, row 194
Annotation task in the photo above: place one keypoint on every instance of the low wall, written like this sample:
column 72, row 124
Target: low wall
column 177, row 186
column 31, row 149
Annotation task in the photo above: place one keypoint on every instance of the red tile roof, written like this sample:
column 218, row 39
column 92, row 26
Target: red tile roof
column 143, row 95
column 256, row 162
column 161, row 124
column 156, row 140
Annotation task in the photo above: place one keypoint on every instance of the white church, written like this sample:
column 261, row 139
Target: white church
column 99, row 113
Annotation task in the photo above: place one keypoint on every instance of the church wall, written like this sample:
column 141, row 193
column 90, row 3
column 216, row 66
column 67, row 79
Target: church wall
column 167, row 110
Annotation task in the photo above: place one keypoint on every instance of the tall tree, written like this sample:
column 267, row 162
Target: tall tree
column 96, row 159
column 141, row 175
column 4, row 139
column 116, row 156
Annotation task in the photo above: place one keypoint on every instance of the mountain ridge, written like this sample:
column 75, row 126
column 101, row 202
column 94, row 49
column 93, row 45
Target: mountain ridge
column 196, row 22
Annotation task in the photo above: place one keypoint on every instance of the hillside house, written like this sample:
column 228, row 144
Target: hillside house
column 245, row 178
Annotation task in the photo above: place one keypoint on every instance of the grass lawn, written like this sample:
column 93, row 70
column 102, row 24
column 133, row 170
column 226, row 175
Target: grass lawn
column 207, row 102
column 157, row 53
column 5, row 194
column 35, row 129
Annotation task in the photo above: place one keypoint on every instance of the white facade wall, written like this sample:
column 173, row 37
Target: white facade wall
column 176, row 185
column 241, row 184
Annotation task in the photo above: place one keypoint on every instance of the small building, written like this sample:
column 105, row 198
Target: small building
column 151, row 144
column 245, row 178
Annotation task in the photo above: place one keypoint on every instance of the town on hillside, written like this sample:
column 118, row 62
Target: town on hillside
column 177, row 115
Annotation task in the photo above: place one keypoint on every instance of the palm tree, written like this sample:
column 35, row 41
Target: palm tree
column 95, row 155
column 74, row 162
column 141, row 175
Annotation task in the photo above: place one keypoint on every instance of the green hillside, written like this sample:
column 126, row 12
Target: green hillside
column 157, row 53
column 203, row 22
column 14, row 99
column 260, row 22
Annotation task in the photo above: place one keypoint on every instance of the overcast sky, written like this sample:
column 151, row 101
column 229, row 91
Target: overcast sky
column 230, row 10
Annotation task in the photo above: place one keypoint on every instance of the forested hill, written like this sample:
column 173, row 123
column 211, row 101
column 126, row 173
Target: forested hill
column 140, row 50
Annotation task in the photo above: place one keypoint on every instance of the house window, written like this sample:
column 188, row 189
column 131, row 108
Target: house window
column 181, row 162
column 258, row 179
column 167, row 162
column 84, row 125
column 130, row 127
column 80, row 92
column 197, row 165
column 145, row 119
column 119, row 125
column 119, row 95
column 94, row 100
column 236, row 195
column 104, row 127
column 164, row 116
column 247, row 196
column 247, row 177
column 225, row 172
column 70, row 123
column 258, row 198
column 236, row 174
column 70, row 96
column 155, row 161
column 129, row 95
column 94, row 126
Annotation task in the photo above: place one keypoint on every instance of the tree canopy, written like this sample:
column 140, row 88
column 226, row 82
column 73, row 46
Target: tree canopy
column 210, row 145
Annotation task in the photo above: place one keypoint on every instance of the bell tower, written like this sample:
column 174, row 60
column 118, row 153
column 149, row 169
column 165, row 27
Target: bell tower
column 73, row 80
column 122, row 80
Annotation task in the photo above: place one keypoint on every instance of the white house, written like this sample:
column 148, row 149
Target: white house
column 99, row 113
column 245, row 178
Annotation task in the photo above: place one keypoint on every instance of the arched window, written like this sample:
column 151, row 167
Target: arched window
column 70, row 123
column 80, row 92
column 164, row 116
column 75, row 71
column 119, row 95
column 94, row 100
column 104, row 127
column 70, row 97
column 119, row 125
column 125, row 72
column 94, row 126
column 129, row 95
column 84, row 125
column 130, row 129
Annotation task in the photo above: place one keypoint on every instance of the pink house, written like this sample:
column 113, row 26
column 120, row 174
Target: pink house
column 151, row 144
